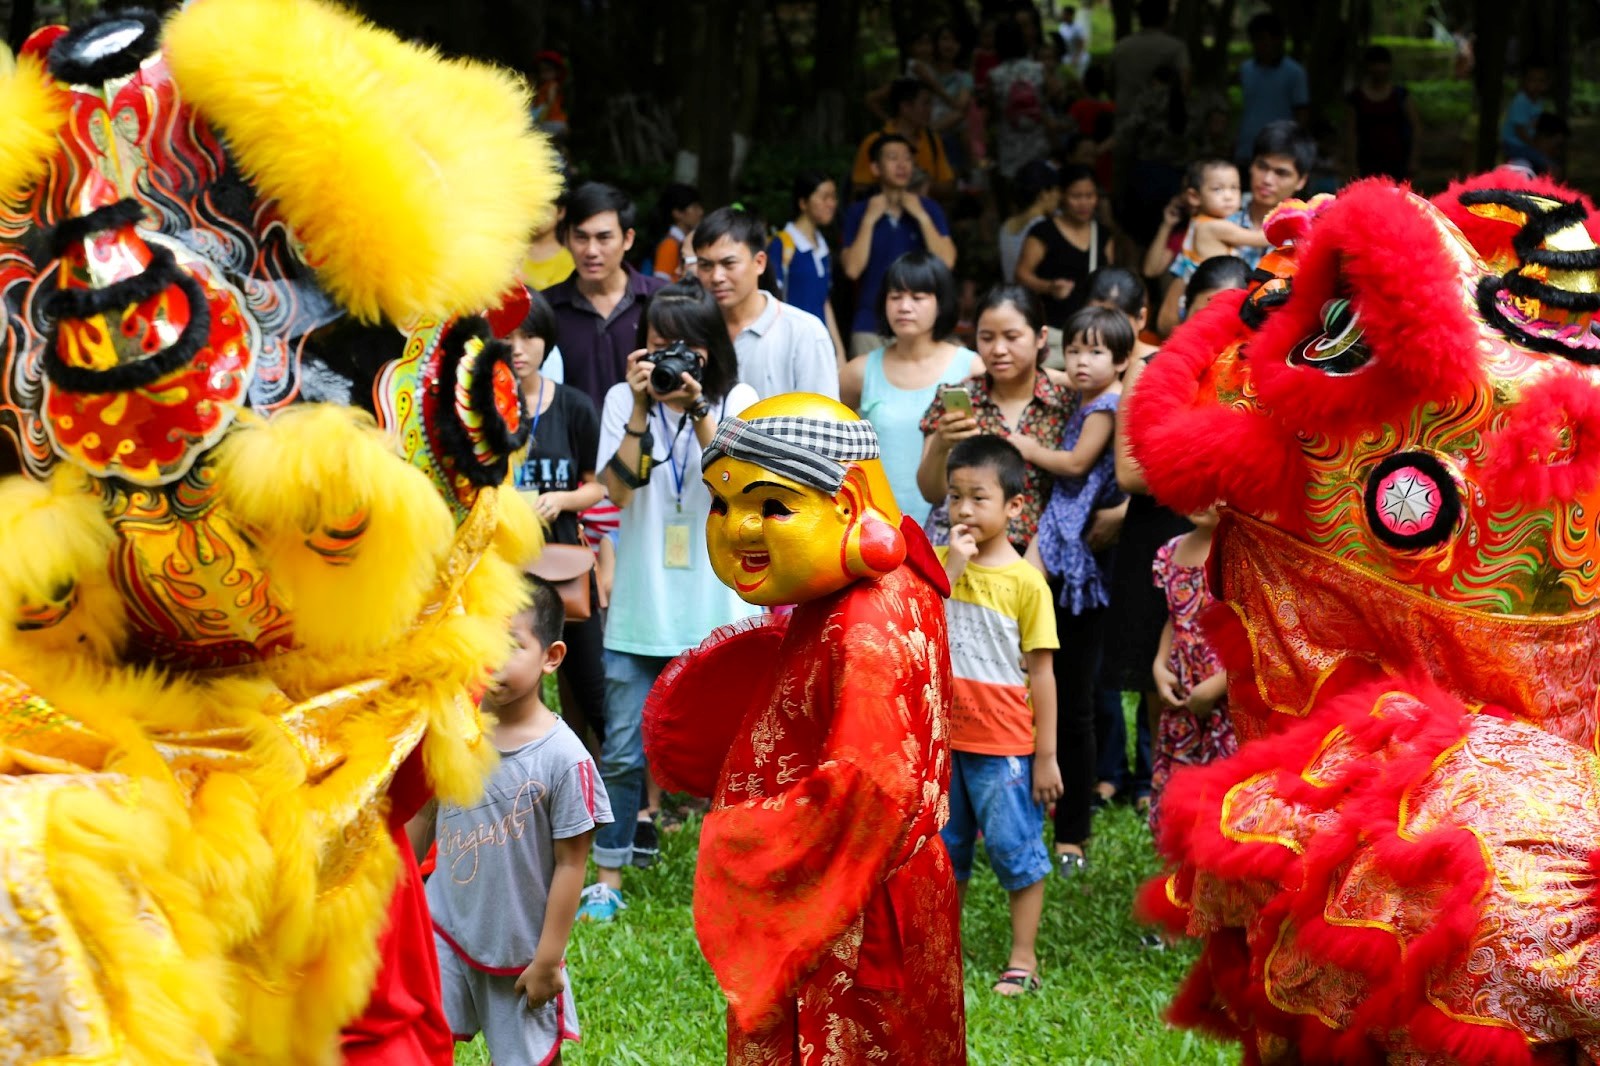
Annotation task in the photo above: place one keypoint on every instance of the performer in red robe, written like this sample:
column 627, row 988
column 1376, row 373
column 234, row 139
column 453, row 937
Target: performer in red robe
column 824, row 898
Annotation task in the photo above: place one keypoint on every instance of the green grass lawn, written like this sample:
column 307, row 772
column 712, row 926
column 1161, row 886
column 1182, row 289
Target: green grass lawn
column 645, row 996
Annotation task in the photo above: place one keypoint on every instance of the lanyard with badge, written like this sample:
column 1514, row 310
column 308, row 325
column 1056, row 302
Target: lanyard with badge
column 675, row 555
column 526, row 482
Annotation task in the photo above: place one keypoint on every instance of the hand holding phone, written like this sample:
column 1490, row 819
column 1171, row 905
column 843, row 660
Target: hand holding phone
column 956, row 398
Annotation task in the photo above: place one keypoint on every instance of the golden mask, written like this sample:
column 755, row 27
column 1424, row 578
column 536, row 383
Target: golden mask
column 800, row 505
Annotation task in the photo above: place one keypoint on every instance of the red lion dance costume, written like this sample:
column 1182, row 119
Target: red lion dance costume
column 240, row 638
column 824, row 899
column 1402, row 419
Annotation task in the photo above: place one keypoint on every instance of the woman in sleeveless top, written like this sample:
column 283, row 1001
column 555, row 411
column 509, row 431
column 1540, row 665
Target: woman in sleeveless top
column 892, row 386
column 1061, row 252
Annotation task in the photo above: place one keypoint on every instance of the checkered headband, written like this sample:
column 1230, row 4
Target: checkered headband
column 812, row 451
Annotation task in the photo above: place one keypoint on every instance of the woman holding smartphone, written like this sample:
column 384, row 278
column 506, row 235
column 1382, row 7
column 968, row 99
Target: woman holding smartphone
column 1012, row 397
column 891, row 386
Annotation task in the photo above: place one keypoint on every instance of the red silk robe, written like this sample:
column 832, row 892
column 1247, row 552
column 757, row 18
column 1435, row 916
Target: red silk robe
column 824, row 899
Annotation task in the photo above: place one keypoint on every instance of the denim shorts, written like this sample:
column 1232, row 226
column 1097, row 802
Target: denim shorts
column 994, row 793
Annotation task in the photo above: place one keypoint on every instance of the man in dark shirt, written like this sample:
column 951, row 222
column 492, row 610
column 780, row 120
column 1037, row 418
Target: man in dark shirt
column 598, row 307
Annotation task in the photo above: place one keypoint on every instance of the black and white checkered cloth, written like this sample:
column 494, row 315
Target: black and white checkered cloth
column 812, row 451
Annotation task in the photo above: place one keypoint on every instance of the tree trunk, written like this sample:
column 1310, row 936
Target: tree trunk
column 705, row 124
column 750, row 68
column 1327, row 62
column 1122, row 17
column 835, row 76
column 1188, row 24
column 1213, row 63
column 1493, row 21
column 22, row 15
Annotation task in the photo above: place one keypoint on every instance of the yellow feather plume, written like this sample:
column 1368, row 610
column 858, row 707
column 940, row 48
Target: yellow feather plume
column 412, row 180
column 31, row 110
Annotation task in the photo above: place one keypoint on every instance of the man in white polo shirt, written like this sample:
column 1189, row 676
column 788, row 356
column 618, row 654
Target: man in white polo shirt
column 780, row 347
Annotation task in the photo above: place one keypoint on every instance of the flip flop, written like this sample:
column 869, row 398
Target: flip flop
column 1024, row 981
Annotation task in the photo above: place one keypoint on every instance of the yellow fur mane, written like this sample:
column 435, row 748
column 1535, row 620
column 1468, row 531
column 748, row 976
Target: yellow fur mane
column 413, row 181
column 31, row 110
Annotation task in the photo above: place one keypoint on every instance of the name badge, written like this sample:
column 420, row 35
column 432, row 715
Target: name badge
column 676, row 554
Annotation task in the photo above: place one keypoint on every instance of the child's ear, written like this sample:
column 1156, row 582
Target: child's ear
column 1014, row 506
column 553, row 656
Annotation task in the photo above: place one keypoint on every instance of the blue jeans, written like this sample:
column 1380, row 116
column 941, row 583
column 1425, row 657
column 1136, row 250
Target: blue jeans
column 628, row 681
column 994, row 794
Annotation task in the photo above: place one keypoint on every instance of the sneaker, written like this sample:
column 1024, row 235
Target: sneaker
column 600, row 903
column 646, row 845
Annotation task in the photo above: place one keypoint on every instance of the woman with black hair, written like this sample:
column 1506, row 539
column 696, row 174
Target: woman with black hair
column 798, row 258
column 893, row 384
column 666, row 599
column 1062, row 251
column 558, row 477
column 1121, row 289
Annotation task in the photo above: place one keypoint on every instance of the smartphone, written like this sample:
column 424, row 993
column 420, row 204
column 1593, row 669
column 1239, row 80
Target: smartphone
column 956, row 398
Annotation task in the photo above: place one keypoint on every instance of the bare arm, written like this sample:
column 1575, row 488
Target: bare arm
column 1130, row 478
column 628, row 453
column 858, row 251
column 1092, row 444
column 585, row 496
column 832, row 323
column 1047, row 787
column 938, row 243
column 1028, row 267
column 422, row 827
column 1166, row 680
column 1204, row 696
column 953, row 426
column 542, row 980
column 851, row 380
column 1221, row 237
column 1158, row 257
column 1167, row 318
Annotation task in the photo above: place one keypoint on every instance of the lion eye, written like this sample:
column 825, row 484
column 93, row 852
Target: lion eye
column 1339, row 349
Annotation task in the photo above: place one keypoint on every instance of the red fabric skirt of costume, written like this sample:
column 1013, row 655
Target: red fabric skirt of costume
column 824, row 898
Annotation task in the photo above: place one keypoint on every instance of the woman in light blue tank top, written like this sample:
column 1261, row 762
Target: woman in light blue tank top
column 891, row 387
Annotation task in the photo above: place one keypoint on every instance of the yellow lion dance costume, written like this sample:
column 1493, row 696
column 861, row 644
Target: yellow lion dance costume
column 231, row 626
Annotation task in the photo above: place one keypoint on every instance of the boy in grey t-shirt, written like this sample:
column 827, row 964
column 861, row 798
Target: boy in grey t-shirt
column 504, row 893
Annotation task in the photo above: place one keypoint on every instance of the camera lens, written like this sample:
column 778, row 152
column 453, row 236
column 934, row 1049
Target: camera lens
column 664, row 377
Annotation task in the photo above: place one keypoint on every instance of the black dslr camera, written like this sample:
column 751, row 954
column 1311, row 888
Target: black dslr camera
column 671, row 363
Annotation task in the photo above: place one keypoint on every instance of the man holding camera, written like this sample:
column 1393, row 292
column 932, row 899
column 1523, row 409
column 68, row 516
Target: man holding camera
column 781, row 348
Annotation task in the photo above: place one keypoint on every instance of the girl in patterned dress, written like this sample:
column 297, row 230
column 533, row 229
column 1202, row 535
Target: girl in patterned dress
column 1194, row 727
column 1099, row 342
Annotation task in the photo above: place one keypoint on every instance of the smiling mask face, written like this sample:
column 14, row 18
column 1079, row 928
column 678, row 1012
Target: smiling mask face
column 800, row 506
column 772, row 540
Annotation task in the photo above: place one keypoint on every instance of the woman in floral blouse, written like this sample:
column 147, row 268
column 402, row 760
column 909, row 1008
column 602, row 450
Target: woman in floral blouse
column 1014, row 397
